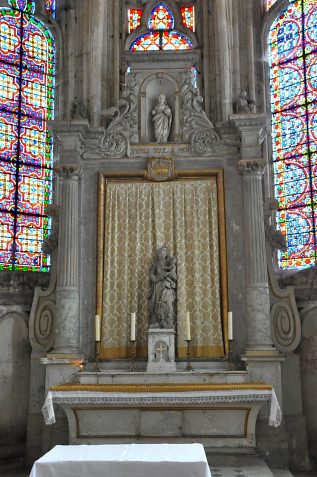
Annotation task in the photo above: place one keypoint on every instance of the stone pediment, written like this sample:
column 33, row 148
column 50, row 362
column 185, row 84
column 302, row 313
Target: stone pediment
column 98, row 143
column 129, row 132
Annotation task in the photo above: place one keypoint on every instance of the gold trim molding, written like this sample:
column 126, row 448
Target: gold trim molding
column 159, row 387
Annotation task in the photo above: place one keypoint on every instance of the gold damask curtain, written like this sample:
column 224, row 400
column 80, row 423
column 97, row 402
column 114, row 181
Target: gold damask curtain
column 139, row 218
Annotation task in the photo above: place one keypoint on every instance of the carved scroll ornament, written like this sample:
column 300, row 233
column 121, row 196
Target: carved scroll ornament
column 286, row 324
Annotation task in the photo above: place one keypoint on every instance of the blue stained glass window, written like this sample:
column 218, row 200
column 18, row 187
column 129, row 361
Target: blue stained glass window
column 293, row 82
column 26, row 104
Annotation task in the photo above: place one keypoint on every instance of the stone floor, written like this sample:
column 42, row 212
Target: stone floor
column 221, row 471
column 258, row 469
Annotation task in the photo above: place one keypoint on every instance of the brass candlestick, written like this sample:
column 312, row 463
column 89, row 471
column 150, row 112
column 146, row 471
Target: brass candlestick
column 132, row 355
column 188, row 365
column 97, row 353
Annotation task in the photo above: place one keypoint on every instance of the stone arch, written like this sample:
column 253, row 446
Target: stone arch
column 151, row 87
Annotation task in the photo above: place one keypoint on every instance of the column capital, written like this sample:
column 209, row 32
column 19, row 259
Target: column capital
column 68, row 171
column 253, row 129
column 252, row 167
column 69, row 137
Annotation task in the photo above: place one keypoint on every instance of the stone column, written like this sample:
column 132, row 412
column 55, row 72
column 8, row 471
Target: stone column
column 262, row 359
column 67, row 330
column 223, row 26
column 252, row 128
column 257, row 289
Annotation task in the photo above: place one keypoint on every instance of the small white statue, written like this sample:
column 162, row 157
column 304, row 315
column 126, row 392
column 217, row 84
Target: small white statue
column 245, row 105
column 162, row 119
column 242, row 104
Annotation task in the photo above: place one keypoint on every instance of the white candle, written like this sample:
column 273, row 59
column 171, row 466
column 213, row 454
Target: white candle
column 188, row 337
column 97, row 327
column 230, row 328
column 133, row 319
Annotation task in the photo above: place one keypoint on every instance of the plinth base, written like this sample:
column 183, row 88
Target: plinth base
column 161, row 351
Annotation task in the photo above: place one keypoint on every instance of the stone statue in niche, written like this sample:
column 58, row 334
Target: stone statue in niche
column 244, row 105
column 162, row 119
column 162, row 294
column 78, row 110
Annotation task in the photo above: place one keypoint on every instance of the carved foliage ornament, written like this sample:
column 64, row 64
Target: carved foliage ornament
column 203, row 141
column 68, row 171
column 113, row 144
column 252, row 166
column 123, row 122
column 197, row 128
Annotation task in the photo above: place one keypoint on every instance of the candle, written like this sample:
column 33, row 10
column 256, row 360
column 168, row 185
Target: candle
column 97, row 327
column 188, row 337
column 133, row 319
column 230, row 328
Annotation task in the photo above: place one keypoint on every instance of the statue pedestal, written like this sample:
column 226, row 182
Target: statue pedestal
column 161, row 351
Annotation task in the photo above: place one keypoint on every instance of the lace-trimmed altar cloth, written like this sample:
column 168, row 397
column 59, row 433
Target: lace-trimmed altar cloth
column 160, row 395
column 124, row 460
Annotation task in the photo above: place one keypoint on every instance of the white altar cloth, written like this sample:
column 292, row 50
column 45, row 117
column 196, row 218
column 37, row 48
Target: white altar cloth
column 123, row 460
column 84, row 398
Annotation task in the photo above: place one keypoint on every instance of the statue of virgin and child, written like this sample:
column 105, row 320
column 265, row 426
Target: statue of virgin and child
column 162, row 290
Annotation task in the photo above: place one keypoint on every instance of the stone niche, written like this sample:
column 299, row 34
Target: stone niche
column 159, row 73
column 152, row 86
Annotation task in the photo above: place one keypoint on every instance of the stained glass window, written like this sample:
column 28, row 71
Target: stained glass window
column 194, row 75
column 149, row 41
column 269, row 3
column 167, row 40
column 293, row 80
column 26, row 103
column 50, row 7
column 161, row 35
column 161, row 18
column 134, row 19
column 188, row 16
column 26, row 6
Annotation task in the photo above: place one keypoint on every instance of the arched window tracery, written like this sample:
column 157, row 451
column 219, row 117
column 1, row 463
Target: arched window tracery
column 26, row 104
column 293, row 82
column 162, row 34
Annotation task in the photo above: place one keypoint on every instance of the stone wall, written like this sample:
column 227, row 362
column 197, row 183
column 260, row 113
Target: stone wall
column 90, row 37
column 16, row 294
column 305, row 285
